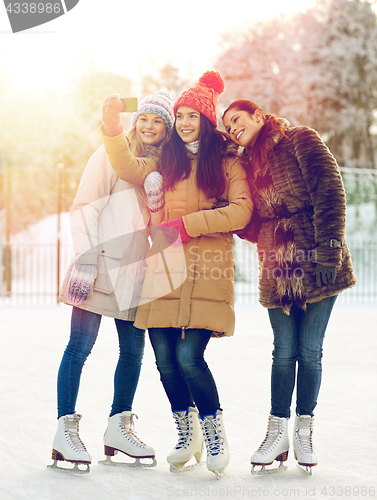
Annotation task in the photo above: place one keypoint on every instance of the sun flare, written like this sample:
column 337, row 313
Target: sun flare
column 41, row 60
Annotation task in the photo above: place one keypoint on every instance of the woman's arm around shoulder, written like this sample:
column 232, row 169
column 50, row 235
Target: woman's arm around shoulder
column 230, row 218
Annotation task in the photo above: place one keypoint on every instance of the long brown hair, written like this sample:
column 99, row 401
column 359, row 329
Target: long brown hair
column 174, row 163
column 262, row 144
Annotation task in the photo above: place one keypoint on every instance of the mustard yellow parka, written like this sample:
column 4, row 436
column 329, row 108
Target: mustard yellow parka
column 205, row 299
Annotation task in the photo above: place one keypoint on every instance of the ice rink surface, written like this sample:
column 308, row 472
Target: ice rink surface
column 31, row 345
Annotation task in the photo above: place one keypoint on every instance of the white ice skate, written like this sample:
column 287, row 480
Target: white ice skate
column 68, row 447
column 216, row 443
column 275, row 446
column 190, row 440
column 120, row 436
column 303, row 444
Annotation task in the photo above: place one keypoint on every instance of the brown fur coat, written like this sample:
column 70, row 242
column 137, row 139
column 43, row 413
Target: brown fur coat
column 299, row 205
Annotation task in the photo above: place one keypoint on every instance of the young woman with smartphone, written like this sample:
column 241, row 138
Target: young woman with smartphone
column 108, row 223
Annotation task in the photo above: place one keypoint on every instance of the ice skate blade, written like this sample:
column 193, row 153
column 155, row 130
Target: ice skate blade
column 136, row 465
column 218, row 475
column 185, row 468
column 305, row 469
column 263, row 470
column 73, row 470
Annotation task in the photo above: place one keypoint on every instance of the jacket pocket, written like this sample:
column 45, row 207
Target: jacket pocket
column 115, row 247
column 105, row 267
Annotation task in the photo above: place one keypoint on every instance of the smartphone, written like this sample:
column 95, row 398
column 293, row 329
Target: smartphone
column 130, row 104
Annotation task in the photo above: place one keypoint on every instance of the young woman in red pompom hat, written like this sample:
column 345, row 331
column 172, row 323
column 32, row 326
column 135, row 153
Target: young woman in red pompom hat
column 198, row 169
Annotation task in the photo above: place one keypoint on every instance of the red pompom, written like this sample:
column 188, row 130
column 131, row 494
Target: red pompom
column 212, row 80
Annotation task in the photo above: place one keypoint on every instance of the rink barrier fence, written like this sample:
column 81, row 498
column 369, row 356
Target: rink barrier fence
column 30, row 272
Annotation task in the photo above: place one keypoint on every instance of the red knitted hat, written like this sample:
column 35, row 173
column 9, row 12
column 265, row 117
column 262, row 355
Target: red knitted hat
column 203, row 95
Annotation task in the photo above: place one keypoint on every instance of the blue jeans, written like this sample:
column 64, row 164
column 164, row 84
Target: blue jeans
column 84, row 332
column 298, row 339
column 183, row 371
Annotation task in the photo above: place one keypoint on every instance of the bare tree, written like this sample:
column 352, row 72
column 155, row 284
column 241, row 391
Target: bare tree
column 317, row 69
column 166, row 78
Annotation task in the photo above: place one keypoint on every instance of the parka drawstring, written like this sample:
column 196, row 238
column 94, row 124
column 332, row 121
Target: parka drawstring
column 183, row 333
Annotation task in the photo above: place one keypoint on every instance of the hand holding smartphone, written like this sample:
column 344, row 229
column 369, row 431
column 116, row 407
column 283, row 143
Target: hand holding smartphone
column 130, row 104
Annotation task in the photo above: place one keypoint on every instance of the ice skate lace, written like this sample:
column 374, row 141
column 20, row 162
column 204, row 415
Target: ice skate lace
column 71, row 432
column 273, row 435
column 129, row 432
column 304, row 440
column 213, row 439
column 184, row 429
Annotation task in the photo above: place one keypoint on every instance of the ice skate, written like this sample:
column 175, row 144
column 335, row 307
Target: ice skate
column 303, row 444
column 275, row 446
column 216, row 443
column 120, row 437
column 68, row 447
column 190, row 440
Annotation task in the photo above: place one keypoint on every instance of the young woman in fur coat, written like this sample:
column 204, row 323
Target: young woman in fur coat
column 108, row 223
column 298, row 224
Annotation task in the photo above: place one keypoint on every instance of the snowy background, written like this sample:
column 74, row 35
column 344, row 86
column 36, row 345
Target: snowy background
column 32, row 339
column 31, row 346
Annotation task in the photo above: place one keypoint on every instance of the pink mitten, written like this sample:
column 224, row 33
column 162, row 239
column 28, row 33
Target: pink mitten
column 81, row 282
column 155, row 194
column 111, row 109
column 178, row 225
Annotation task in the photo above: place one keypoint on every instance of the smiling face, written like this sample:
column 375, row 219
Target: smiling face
column 243, row 127
column 187, row 124
column 151, row 128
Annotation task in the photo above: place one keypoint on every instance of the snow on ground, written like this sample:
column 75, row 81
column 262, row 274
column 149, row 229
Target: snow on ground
column 46, row 230
column 31, row 345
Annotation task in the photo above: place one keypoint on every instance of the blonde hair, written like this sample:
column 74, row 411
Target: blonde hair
column 137, row 146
